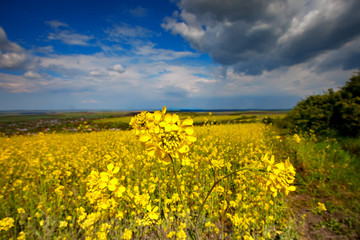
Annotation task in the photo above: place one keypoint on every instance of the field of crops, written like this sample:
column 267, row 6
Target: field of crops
column 222, row 182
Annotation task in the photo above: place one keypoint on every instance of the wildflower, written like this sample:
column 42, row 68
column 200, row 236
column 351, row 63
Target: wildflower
column 21, row 236
column 99, row 183
column 296, row 138
column 119, row 192
column 185, row 161
column 217, row 163
column 20, row 210
column 219, row 189
column 209, row 224
column 170, row 234
column 281, row 175
column 106, row 179
column 63, row 224
column 127, row 234
column 6, row 223
column 163, row 134
column 104, row 230
column 91, row 219
column 152, row 212
column 120, row 215
column 181, row 234
column 321, row 207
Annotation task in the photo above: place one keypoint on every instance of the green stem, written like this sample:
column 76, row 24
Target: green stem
column 176, row 180
column 159, row 187
column 217, row 182
column 180, row 195
column 132, row 200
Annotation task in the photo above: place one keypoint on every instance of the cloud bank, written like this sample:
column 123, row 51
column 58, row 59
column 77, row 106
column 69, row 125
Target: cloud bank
column 260, row 35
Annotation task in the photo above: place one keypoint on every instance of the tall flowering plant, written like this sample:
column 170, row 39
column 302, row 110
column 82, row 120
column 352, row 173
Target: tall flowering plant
column 168, row 138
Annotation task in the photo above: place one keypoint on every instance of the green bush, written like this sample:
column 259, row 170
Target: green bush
column 331, row 113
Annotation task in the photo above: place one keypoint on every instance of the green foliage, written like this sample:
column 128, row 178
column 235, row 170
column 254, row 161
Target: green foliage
column 332, row 113
column 327, row 172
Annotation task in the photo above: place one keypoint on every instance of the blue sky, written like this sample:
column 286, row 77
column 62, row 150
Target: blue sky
column 135, row 54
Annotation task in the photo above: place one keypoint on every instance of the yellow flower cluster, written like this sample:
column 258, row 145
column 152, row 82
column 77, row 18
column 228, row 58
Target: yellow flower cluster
column 296, row 137
column 6, row 223
column 281, row 175
column 127, row 234
column 163, row 134
column 22, row 236
column 321, row 207
column 103, row 189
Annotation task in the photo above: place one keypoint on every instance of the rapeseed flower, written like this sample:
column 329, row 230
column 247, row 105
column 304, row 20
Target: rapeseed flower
column 20, row 210
column 63, row 224
column 6, row 223
column 22, row 236
column 321, row 207
column 280, row 175
column 297, row 138
column 163, row 134
column 127, row 234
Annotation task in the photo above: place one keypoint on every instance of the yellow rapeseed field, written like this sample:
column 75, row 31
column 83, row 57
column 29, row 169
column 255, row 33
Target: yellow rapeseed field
column 164, row 180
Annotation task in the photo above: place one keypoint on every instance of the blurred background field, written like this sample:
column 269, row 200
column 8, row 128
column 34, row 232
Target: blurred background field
column 32, row 122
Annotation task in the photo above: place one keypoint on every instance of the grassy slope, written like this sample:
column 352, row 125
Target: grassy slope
column 327, row 172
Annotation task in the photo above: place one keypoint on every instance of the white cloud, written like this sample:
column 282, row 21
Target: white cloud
column 192, row 33
column 6, row 45
column 67, row 36
column 138, row 12
column 96, row 73
column 57, row 24
column 117, row 68
column 150, row 51
column 124, row 31
column 185, row 78
column 12, row 60
column 299, row 80
column 44, row 50
column 102, row 73
column 31, row 74
column 161, row 79
column 16, row 84
column 91, row 101
column 12, row 55
column 71, row 38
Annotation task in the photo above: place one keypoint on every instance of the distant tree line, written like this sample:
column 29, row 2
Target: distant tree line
column 331, row 113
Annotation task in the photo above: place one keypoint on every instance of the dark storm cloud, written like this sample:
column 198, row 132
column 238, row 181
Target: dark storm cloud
column 324, row 32
column 347, row 58
column 258, row 35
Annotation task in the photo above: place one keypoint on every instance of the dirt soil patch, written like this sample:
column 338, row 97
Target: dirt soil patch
column 324, row 225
